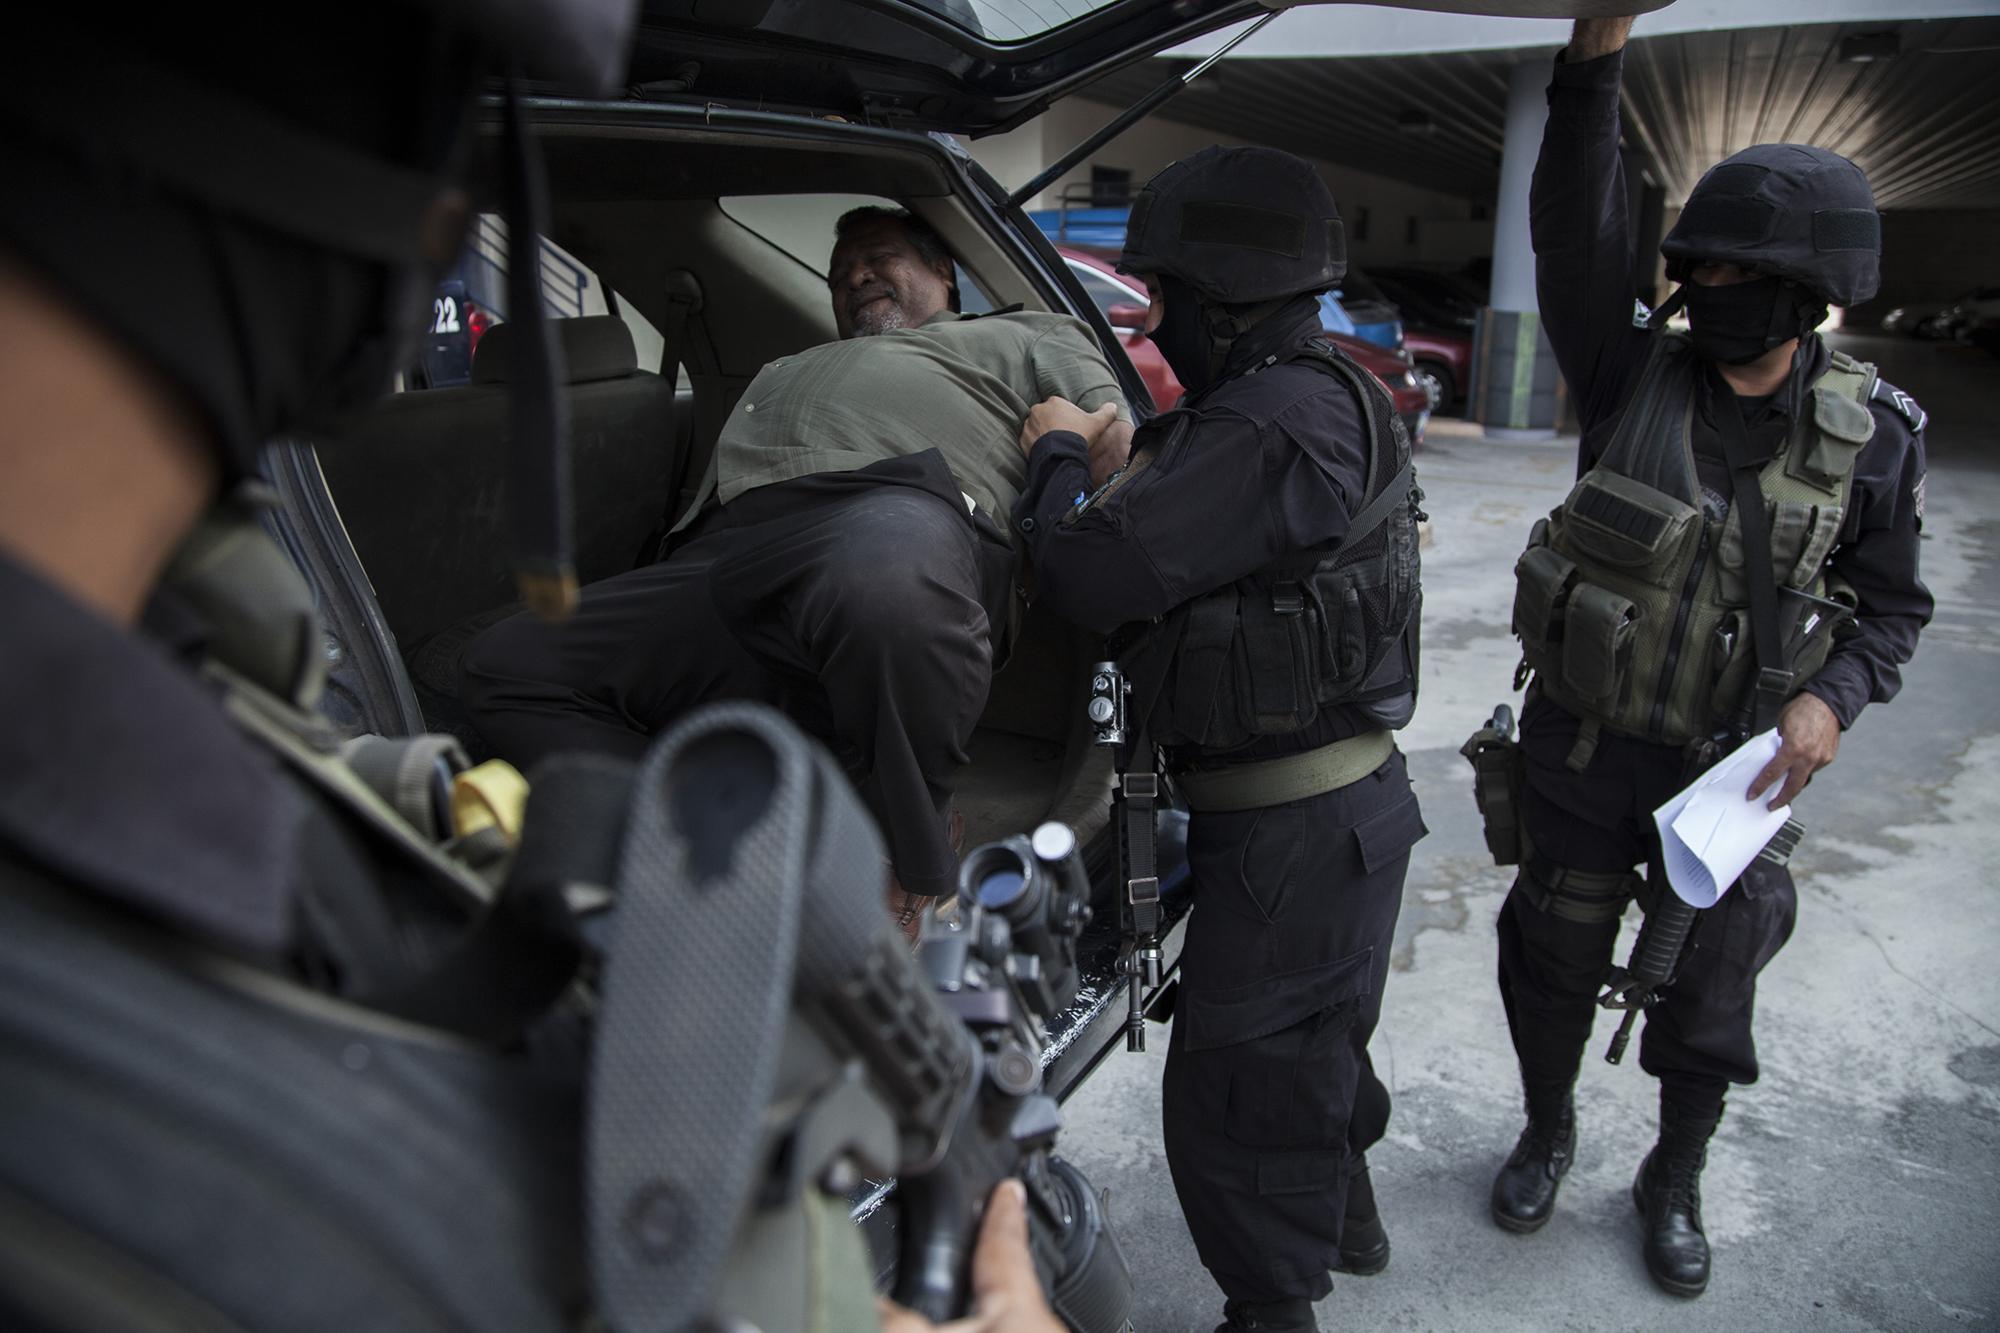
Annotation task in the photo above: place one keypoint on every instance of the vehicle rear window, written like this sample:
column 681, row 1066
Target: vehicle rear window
column 1011, row 20
column 473, row 297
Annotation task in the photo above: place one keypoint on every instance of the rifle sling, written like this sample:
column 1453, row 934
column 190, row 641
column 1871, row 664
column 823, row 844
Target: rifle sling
column 1773, row 682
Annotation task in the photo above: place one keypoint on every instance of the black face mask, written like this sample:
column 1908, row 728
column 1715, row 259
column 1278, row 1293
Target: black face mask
column 1739, row 322
column 1183, row 336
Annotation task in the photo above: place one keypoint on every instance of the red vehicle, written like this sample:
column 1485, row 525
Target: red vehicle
column 1406, row 390
column 1123, row 302
column 1442, row 361
column 1117, row 297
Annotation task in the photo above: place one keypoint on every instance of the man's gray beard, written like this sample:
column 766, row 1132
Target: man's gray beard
column 888, row 317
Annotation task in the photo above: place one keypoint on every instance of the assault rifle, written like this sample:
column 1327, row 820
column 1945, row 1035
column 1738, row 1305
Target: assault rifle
column 765, row 1041
column 1668, row 930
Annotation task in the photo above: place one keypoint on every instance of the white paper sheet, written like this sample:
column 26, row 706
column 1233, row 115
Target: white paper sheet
column 1709, row 834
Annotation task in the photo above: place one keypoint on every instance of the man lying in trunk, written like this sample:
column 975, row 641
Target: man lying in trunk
column 847, row 557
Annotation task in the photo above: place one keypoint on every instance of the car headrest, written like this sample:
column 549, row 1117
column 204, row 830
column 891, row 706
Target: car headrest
column 594, row 347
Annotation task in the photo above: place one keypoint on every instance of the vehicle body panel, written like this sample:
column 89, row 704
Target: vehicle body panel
column 966, row 66
column 1445, row 356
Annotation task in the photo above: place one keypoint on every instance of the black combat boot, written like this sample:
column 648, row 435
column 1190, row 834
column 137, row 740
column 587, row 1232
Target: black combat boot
column 1287, row 1316
column 1668, row 1193
column 1364, row 1244
column 1524, row 1193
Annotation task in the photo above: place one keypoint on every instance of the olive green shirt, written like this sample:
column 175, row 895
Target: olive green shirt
column 961, row 384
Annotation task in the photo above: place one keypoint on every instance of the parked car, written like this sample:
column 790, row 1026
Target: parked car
column 1939, row 320
column 1427, row 299
column 1123, row 303
column 1442, row 361
column 1406, row 390
column 1907, row 319
column 1979, row 306
column 1984, row 333
column 1374, row 316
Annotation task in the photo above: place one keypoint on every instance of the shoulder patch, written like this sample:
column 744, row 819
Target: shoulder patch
column 1900, row 403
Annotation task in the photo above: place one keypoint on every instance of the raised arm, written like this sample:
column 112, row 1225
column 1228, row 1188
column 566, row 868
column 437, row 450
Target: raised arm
column 1579, row 224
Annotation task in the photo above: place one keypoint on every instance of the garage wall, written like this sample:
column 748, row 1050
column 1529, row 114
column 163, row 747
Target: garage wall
column 1447, row 233
column 1934, row 256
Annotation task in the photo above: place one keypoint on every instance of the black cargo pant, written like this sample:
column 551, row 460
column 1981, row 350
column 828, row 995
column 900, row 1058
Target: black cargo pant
column 863, row 603
column 1697, row 1038
column 1269, row 1095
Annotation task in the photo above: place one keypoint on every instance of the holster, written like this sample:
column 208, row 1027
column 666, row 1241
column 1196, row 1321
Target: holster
column 1496, row 787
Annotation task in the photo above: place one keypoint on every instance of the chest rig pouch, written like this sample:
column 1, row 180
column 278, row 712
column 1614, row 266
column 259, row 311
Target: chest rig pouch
column 1632, row 599
column 1338, row 625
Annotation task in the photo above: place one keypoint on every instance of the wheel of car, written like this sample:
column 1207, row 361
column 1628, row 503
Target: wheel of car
column 1436, row 379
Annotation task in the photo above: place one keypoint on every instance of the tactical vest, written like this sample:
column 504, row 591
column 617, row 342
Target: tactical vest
column 1337, row 625
column 1632, row 599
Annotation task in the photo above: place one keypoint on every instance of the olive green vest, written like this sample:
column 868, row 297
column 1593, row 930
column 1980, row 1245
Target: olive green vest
column 1632, row 603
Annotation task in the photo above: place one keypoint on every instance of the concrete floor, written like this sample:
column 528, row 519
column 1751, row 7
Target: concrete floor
column 1857, row 1186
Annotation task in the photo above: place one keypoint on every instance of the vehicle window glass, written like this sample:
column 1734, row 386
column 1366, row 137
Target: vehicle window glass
column 473, row 297
column 1011, row 20
column 972, row 298
column 1104, row 292
column 1332, row 317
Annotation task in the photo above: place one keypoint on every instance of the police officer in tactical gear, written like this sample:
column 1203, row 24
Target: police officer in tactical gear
column 1257, row 556
column 266, row 1064
column 1740, row 552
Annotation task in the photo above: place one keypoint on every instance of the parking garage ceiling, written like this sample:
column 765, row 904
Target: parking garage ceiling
column 1924, row 123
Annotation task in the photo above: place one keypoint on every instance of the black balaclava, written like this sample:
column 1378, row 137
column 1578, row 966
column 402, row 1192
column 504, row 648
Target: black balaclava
column 1735, row 323
column 1183, row 336
column 1205, row 342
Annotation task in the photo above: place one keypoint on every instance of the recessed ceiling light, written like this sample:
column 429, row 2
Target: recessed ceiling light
column 1861, row 48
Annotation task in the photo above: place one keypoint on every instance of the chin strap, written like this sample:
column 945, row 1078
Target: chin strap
column 1668, row 308
column 1225, row 326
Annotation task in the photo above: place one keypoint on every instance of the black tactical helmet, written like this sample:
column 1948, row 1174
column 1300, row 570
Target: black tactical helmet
column 1796, row 212
column 1238, row 225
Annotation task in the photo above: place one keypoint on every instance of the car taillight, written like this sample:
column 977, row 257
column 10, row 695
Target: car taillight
column 477, row 321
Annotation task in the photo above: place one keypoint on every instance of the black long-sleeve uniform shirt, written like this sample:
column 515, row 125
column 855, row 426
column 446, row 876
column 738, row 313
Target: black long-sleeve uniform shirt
column 1584, row 251
column 1253, row 468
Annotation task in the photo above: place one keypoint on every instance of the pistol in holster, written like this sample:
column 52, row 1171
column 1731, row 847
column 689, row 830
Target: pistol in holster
column 1496, row 784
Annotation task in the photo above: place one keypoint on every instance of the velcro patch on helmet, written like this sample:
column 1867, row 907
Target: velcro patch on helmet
column 1734, row 218
column 1743, row 178
column 1244, row 225
column 1847, row 229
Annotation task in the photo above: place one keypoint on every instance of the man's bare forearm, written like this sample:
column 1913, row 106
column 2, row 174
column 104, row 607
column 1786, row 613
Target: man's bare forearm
column 1597, row 37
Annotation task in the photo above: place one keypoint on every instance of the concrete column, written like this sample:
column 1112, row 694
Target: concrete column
column 1515, row 372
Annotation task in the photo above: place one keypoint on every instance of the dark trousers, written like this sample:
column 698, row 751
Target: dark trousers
column 1697, row 1039
column 862, row 603
column 1269, row 1096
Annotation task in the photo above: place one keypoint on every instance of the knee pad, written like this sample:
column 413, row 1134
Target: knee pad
column 1588, row 897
